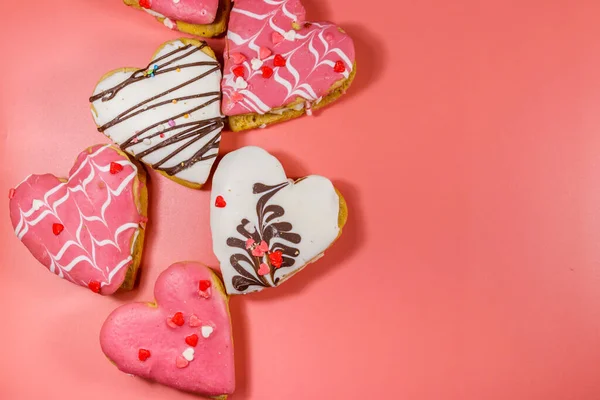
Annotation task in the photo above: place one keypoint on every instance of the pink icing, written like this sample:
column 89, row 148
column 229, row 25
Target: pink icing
column 97, row 210
column 192, row 11
column 310, row 56
column 141, row 326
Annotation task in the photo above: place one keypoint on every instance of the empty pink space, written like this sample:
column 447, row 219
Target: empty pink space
column 468, row 150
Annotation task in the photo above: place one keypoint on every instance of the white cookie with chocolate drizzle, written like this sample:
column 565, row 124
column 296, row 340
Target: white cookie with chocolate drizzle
column 168, row 114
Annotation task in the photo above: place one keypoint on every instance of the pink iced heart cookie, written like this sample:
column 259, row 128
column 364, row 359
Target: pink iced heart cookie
column 198, row 17
column 266, row 227
column 278, row 67
column 183, row 340
column 89, row 228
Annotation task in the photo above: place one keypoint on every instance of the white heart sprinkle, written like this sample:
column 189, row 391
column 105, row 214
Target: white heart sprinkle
column 290, row 35
column 188, row 354
column 207, row 331
column 37, row 204
column 240, row 83
column 256, row 63
column 168, row 23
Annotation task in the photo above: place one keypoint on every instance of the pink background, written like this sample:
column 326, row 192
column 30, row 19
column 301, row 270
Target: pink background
column 468, row 149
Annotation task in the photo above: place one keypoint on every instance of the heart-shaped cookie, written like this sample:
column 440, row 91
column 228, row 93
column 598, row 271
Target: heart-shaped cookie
column 183, row 340
column 277, row 66
column 266, row 227
column 205, row 18
column 89, row 228
column 168, row 114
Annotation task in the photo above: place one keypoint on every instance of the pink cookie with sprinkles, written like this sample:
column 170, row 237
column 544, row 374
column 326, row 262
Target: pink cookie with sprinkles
column 89, row 228
column 279, row 66
column 206, row 18
column 183, row 339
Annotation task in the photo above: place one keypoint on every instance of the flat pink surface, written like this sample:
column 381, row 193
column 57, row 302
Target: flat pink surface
column 468, row 150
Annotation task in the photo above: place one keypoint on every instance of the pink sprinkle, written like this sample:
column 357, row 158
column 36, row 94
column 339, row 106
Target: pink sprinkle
column 329, row 37
column 236, row 97
column 249, row 243
column 261, row 249
column 263, row 270
column 195, row 321
column 276, row 37
column 11, row 193
column 263, row 53
column 135, row 140
column 181, row 362
column 171, row 323
column 237, row 58
column 171, row 122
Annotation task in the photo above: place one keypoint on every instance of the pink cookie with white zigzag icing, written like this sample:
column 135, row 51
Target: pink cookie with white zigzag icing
column 89, row 228
column 183, row 339
column 279, row 66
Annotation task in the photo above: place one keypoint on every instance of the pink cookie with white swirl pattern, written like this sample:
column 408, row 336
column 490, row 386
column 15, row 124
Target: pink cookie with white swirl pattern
column 278, row 66
column 183, row 339
column 89, row 228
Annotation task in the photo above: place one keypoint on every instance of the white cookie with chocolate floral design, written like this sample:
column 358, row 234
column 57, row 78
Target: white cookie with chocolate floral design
column 267, row 227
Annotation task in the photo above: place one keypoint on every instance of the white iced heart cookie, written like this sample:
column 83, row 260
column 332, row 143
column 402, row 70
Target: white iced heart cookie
column 266, row 227
column 168, row 114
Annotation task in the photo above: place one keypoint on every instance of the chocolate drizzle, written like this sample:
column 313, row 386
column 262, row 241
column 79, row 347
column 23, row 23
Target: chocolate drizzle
column 275, row 234
column 185, row 133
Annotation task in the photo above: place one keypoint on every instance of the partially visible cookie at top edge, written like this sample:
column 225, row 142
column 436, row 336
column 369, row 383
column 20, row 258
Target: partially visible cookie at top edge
column 299, row 66
column 209, row 21
column 167, row 114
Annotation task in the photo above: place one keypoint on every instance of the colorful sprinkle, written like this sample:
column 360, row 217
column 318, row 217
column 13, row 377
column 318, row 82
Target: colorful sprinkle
column 279, row 61
column 143, row 354
column 237, row 58
column 135, row 140
column 192, row 340
column 174, row 101
column 181, row 362
column 204, row 285
column 162, row 135
column 195, row 321
column 261, row 249
column 188, row 354
column 276, row 258
column 238, row 71
column 276, row 37
column 267, row 71
column 57, row 228
column 263, row 53
column 339, row 66
column 145, row 3
column 171, row 122
column 11, row 193
column 249, row 243
column 115, row 168
column 186, row 115
column 206, row 331
column 178, row 69
column 220, row 202
column 264, row 269
column 94, row 286
column 329, row 37
column 177, row 319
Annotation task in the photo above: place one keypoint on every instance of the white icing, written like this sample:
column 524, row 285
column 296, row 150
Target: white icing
column 143, row 89
column 311, row 207
column 188, row 354
column 206, row 330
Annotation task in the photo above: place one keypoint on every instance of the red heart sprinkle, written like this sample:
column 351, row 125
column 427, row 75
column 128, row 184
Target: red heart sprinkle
column 267, row 72
column 279, row 61
column 115, row 168
column 339, row 66
column 57, row 228
column 145, row 3
column 192, row 340
column 276, row 258
column 94, row 286
column 204, row 284
column 143, row 354
column 178, row 319
column 11, row 193
column 220, row 202
column 238, row 71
